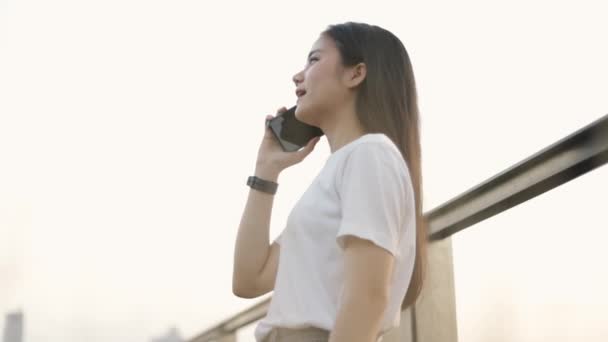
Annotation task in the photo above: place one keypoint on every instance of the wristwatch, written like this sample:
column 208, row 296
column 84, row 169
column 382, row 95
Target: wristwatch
column 262, row 185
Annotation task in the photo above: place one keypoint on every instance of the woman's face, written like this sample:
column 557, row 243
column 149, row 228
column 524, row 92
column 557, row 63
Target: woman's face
column 319, row 88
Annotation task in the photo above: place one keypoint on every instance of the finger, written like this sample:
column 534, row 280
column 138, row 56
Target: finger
column 281, row 110
column 308, row 148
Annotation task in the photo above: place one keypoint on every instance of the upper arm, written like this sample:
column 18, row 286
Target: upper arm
column 267, row 277
column 368, row 268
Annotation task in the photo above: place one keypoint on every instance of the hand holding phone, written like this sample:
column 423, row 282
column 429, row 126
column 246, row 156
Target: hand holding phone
column 274, row 154
column 291, row 133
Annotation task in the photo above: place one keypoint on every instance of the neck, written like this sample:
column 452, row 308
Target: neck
column 343, row 128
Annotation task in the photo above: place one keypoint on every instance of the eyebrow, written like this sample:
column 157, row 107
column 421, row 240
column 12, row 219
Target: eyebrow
column 313, row 51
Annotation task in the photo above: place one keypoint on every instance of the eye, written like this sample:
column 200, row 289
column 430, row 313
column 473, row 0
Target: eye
column 311, row 59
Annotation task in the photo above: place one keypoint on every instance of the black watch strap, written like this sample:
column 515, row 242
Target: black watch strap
column 262, row 185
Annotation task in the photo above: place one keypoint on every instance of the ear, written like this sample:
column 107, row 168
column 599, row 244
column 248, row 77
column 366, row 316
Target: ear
column 355, row 75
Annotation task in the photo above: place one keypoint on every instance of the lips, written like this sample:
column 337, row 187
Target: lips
column 300, row 92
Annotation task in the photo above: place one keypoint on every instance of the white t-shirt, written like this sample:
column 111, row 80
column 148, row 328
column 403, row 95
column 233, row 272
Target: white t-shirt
column 364, row 189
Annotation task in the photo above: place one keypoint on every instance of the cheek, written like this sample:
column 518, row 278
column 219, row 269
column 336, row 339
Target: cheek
column 318, row 72
column 320, row 80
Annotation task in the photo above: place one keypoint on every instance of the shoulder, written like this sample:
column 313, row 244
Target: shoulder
column 374, row 147
column 373, row 155
column 374, row 166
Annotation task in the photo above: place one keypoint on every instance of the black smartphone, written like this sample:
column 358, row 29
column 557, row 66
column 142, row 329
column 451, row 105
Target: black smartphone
column 292, row 133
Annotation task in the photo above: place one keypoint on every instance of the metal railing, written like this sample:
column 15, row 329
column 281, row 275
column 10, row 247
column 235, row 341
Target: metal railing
column 561, row 162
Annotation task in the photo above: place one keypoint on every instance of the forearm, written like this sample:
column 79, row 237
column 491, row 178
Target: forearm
column 252, row 242
column 359, row 320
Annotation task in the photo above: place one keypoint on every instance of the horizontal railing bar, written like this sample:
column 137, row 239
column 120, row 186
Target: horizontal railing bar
column 569, row 158
column 229, row 326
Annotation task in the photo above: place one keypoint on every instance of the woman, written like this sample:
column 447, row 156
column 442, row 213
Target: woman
column 351, row 255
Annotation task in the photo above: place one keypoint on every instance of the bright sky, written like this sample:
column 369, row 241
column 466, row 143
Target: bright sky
column 128, row 129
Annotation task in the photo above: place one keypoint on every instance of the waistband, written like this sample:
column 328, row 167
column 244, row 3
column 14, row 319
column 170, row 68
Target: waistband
column 309, row 334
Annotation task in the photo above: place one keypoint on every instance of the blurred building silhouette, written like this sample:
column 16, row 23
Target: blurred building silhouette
column 13, row 327
column 171, row 336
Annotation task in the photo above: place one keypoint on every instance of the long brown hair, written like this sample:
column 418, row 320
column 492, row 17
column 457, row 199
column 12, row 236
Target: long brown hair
column 387, row 103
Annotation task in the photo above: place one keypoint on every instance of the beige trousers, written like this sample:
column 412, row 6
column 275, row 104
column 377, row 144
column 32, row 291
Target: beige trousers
column 311, row 334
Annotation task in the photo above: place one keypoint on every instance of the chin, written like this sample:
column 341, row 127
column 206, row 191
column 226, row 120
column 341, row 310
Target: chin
column 303, row 114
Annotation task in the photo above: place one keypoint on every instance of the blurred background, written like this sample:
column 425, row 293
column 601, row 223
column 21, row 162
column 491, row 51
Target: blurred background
column 128, row 129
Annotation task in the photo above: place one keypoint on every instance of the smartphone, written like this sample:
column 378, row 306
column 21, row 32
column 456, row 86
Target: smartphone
column 292, row 133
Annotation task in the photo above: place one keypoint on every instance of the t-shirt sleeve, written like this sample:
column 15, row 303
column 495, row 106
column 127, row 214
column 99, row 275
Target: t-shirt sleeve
column 372, row 195
column 278, row 238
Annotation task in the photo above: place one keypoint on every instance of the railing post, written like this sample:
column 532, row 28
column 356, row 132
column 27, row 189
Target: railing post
column 433, row 316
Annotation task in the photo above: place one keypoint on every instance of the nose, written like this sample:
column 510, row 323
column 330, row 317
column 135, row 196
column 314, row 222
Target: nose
column 298, row 78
